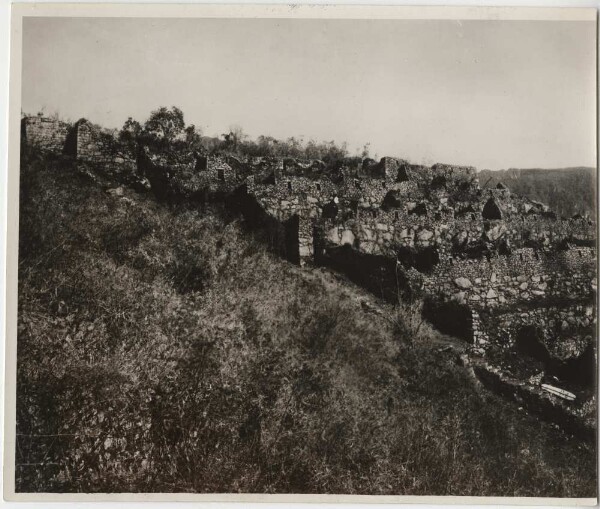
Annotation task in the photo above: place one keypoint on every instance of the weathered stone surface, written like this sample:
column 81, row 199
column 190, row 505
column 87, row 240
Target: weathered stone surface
column 424, row 235
column 116, row 191
column 460, row 297
column 304, row 251
column 495, row 232
column 347, row 237
column 463, row 282
column 333, row 235
column 487, row 249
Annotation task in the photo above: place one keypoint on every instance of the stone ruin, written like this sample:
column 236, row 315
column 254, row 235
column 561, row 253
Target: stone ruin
column 490, row 265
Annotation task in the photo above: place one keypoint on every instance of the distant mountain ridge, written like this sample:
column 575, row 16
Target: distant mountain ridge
column 568, row 191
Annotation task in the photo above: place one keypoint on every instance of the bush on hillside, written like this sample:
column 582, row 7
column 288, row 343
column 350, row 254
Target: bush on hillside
column 251, row 376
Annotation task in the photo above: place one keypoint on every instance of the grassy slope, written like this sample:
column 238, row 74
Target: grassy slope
column 163, row 350
column 568, row 191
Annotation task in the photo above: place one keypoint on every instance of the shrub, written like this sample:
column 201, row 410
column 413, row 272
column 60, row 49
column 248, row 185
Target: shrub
column 259, row 377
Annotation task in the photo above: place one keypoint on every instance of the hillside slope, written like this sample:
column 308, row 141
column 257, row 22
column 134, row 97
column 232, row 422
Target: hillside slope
column 164, row 350
column 568, row 191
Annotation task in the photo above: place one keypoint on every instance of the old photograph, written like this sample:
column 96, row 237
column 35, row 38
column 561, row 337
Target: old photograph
column 312, row 251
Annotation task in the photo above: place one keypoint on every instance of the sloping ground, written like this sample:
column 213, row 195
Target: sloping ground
column 162, row 349
column 567, row 191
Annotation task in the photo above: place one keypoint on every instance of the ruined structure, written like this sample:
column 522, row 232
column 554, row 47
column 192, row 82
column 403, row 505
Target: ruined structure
column 505, row 266
column 45, row 133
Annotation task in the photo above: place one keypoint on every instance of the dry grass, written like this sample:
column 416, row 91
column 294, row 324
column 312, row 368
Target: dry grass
column 164, row 350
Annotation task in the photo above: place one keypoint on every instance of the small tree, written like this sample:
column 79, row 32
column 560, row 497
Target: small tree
column 130, row 133
column 365, row 151
column 193, row 137
column 165, row 125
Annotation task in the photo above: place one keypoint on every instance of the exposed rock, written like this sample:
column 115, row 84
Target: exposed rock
column 424, row 235
column 460, row 297
column 117, row 191
column 491, row 294
column 347, row 237
column 495, row 232
column 333, row 235
column 463, row 282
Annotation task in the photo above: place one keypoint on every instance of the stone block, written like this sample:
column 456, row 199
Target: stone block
column 424, row 235
column 304, row 251
column 347, row 237
column 491, row 294
column 463, row 282
column 333, row 235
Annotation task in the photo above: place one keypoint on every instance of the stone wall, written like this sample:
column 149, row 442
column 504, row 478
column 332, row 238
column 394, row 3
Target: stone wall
column 45, row 133
column 291, row 195
column 562, row 327
column 525, row 275
column 216, row 175
column 509, row 259
column 96, row 145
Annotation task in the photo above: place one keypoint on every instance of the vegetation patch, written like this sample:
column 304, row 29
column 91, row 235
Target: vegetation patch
column 173, row 353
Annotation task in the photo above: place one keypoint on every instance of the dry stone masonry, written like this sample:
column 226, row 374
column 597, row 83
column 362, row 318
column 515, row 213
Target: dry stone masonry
column 45, row 133
column 510, row 263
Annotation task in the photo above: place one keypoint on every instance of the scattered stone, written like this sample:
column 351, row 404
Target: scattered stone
column 116, row 191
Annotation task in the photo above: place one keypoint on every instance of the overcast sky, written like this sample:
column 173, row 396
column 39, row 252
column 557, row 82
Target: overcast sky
column 493, row 94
